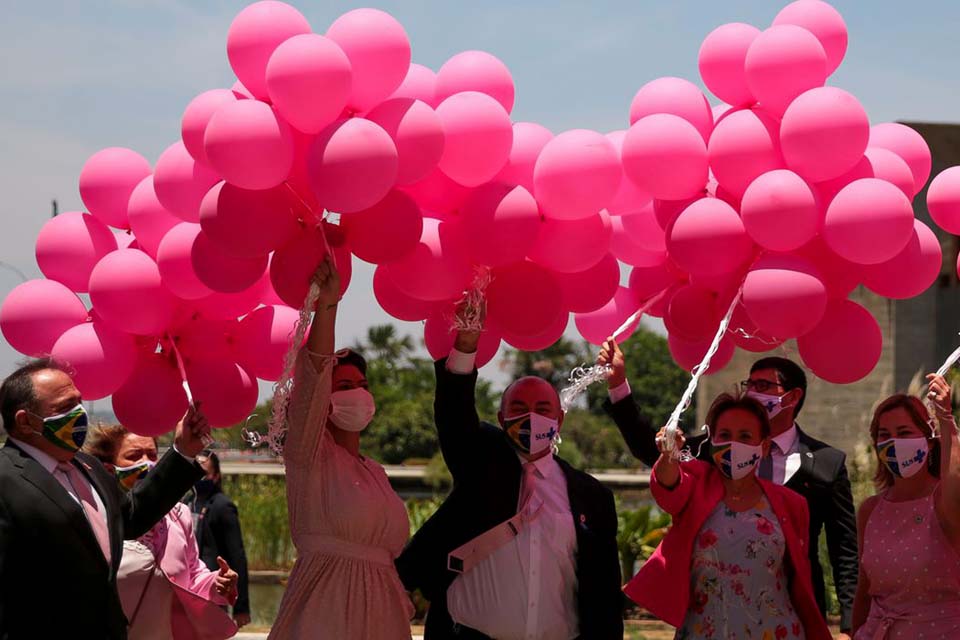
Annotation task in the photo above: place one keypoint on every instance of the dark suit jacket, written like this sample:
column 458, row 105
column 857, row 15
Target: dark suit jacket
column 218, row 534
column 54, row 580
column 821, row 479
column 486, row 474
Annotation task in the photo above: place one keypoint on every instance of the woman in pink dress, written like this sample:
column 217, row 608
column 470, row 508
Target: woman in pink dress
column 909, row 532
column 347, row 523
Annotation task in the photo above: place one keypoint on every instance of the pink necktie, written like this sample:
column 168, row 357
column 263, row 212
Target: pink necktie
column 97, row 520
column 527, row 485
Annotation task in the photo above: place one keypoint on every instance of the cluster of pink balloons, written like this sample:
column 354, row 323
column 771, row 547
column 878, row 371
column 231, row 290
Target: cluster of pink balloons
column 785, row 190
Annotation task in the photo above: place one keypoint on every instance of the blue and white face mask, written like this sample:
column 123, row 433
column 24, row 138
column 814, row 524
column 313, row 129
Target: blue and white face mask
column 904, row 457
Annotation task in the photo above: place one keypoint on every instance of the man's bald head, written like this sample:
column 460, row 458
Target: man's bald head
column 530, row 395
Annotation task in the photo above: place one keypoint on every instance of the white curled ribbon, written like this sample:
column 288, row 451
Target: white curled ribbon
column 470, row 315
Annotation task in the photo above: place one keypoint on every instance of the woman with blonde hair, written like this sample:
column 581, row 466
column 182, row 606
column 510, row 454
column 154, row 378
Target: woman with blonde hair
column 909, row 533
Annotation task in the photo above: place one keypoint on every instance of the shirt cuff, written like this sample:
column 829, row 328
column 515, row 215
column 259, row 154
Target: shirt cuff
column 619, row 392
column 182, row 454
column 461, row 363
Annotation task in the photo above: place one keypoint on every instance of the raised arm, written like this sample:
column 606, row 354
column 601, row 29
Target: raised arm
column 321, row 339
column 670, row 485
column 636, row 428
column 948, row 498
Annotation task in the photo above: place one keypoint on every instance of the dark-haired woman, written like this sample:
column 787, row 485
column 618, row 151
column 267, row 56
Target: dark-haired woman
column 909, row 583
column 735, row 563
column 346, row 521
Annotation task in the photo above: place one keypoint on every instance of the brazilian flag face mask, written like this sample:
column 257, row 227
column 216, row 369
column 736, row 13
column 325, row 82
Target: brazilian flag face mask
column 67, row 430
column 128, row 477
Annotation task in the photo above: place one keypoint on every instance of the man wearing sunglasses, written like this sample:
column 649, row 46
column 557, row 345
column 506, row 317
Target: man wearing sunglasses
column 63, row 517
column 810, row 467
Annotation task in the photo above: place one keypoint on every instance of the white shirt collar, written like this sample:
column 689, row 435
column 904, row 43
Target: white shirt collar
column 788, row 439
column 45, row 459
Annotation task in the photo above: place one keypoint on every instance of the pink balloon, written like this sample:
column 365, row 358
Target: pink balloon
column 254, row 35
column 689, row 354
column 228, row 392
column 943, row 200
column 845, row 346
column 709, row 238
column 263, row 338
column 784, row 296
column 542, row 340
column 745, row 334
column 476, row 71
column 438, row 337
column 221, row 271
column 524, row 299
column 675, row 96
column 250, row 224
column 420, row 83
column 780, row 211
column 128, row 294
column 839, row 275
column 386, row 231
column 783, row 62
column 352, row 165
column 309, row 80
column 693, row 313
column 34, row 314
column 629, row 250
column 588, row 290
column 910, row 272
column 149, row 220
column 379, row 53
column 646, row 282
column 824, row 133
column 666, row 211
column 438, row 193
column 100, row 357
column 70, row 245
column 293, row 266
column 202, row 337
column 174, row 259
column 629, row 196
column 479, row 137
column 909, row 145
column 398, row 304
column 529, row 139
column 501, row 223
column 197, row 116
column 152, row 400
column 888, row 166
column 228, row 306
column 597, row 326
column 577, row 174
column 744, row 145
column 721, row 62
column 240, row 92
column 181, row 182
column 107, row 179
column 249, row 145
column 665, row 156
column 869, row 221
column 438, row 268
column 416, row 131
column 642, row 227
column 570, row 246
column 824, row 22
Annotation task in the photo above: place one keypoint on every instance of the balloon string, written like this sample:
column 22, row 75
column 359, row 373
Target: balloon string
column 673, row 423
column 582, row 377
column 470, row 315
column 207, row 439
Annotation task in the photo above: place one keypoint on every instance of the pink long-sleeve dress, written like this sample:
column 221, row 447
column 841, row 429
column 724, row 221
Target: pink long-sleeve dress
column 347, row 524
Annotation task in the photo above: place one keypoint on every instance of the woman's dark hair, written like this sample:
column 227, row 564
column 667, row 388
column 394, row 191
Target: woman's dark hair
column 351, row 357
column 727, row 401
column 214, row 462
column 789, row 374
column 918, row 413
column 103, row 442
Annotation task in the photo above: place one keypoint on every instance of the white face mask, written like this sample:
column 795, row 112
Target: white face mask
column 904, row 457
column 531, row 433
column 773, row 404
column 352, row 409
column 735, row 459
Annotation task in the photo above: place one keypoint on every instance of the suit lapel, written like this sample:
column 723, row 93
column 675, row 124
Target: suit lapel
column 803, row 474
column 114, row 524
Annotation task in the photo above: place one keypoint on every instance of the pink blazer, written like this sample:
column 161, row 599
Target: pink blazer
column 196, row 611
column 662, row 586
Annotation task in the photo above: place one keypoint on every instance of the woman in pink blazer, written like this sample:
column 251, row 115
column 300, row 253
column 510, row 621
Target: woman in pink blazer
column 165, row 588
column 734, row 564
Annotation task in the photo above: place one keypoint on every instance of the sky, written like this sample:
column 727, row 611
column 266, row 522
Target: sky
column 79, row 76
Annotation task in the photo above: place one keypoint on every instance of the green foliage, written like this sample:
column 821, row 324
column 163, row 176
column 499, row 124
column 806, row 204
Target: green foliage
column 639, row 532
column 262, row 504
column 595, row 440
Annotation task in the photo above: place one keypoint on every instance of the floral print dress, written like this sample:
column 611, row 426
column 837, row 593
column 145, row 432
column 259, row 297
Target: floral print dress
column 738, row 585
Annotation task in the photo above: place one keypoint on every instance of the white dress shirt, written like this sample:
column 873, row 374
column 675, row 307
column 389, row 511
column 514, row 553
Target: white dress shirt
column 50, row 464
column 526, row 589
column 786, row 455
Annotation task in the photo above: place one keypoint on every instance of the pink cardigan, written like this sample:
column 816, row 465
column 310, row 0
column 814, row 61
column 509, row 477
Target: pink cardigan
column 662, row 586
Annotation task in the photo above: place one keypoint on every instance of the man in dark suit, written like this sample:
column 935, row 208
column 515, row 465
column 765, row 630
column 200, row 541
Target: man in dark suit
column 812, row 468
column 63, row 517
column 525, row 545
